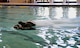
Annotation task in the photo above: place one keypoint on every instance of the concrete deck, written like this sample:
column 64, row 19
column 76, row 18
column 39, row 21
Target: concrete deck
column 40, row 4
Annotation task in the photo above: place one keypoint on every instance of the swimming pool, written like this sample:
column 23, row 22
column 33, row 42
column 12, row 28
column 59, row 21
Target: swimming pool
column 56, row 27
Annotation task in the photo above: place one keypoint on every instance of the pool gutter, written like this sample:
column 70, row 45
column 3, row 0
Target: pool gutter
column 40, row 4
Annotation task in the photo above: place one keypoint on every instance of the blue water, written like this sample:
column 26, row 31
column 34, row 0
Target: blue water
column 56, row 27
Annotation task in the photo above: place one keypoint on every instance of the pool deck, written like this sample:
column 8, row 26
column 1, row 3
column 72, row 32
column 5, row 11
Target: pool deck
column 40, row 4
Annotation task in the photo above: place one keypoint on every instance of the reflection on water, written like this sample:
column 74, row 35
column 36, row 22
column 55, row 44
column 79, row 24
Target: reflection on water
column 57, row 27
column 58, row 12
column 72, row 13
column 43, row 11
column 59, row 16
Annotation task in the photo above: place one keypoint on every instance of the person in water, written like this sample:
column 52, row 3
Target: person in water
column 25, row 26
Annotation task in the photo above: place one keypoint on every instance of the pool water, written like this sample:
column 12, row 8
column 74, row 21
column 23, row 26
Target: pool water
column 56, row 27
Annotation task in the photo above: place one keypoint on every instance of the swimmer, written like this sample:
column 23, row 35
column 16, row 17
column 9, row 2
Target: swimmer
column 17, row 26
column 31, row 23
column 25, row 26
column 22, row 23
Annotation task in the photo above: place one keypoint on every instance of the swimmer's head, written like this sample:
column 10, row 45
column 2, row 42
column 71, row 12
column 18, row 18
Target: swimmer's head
column 16, row 26
column 22, row 23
